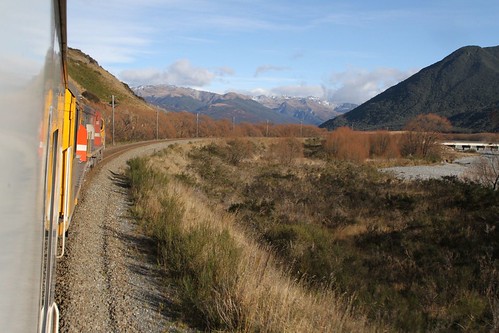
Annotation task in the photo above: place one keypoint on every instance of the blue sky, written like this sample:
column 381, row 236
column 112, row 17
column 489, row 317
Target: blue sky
column 345, row 51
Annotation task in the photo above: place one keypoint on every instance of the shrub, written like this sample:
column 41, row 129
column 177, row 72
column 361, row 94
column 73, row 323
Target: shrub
column 422, row 134
column 239, row 149
column 346, row 144
column 383, row 144
column 90, row 96
column 418, row 255
column 285, row 150
column 485, row 170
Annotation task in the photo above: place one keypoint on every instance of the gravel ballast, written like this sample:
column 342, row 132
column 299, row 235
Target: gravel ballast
column 109, row 281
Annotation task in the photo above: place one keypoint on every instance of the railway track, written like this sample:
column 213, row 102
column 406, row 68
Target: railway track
column 108, row 280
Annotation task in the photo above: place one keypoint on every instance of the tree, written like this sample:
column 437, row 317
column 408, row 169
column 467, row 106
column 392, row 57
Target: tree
column 423, row 133
column 486, row 171
column 346, row 144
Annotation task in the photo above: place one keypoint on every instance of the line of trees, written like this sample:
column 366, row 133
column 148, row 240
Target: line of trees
column 133, row 125
column 419, row 139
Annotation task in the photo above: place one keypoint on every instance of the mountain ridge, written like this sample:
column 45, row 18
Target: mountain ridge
column 460, row 87
column 277, row 109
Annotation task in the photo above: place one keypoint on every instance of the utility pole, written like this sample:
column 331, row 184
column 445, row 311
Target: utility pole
column 301, row 128
column 267, row 130
column 157, row 123
column 197, row 125
column 113, row 116
column 233, row 123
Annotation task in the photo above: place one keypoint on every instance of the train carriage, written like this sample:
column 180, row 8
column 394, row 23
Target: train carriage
column 41, row 162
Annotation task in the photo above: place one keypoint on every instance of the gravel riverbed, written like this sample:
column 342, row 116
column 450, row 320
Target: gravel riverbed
column 458, row 168
column 108, row 280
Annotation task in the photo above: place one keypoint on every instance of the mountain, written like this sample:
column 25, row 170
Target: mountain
column 240, row 107
column 228, row 106
column 463, row 87
column 310, row 110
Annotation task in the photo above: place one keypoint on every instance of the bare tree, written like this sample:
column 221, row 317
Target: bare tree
column 486, row 171
column 423, row 133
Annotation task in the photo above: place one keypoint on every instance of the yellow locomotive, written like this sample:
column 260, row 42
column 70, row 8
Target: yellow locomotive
column 47, row 140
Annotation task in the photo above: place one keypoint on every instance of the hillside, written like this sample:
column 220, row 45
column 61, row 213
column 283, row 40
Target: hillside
column 279, row 110
column 135, row 119
column 98, row 85
column 463, row 87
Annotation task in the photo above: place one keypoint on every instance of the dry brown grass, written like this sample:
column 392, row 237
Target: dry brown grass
column 265, row 298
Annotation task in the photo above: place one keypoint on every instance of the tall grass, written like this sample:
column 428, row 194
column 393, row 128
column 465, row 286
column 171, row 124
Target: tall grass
column 227, row 281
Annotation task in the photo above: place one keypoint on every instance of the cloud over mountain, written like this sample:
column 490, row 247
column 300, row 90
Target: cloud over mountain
column 298, row 91
column 359, row 85
column 180, row 73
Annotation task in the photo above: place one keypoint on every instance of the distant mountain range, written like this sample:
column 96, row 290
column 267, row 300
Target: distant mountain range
column 242, row 108
column 463, row 87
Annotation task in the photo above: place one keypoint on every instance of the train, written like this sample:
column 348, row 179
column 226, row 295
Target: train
column 49, row 138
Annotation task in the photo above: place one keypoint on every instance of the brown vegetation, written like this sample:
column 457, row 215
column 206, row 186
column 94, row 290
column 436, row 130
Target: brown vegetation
column 132, row 124
column 418, row 256
column 422, row 135
column 485, row 171
column 227, row 281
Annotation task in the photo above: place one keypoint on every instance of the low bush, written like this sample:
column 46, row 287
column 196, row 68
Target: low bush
column 285, row 150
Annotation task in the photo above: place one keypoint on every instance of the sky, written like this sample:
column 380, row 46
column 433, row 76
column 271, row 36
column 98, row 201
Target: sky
column 342, row 51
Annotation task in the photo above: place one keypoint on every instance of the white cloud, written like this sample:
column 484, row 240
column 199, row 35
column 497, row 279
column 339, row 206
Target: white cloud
column 289, row 90
column 354, row 85
column 183, row 73
column 268, row 68
column 180, row 73
column 224, row 71
column 358, row 85
column 298, row 91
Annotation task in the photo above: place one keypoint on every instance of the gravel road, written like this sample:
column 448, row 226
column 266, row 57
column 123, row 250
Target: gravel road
column 108, row 280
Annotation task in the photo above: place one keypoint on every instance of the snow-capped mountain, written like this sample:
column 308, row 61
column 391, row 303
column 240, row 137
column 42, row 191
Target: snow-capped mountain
column 278, row 109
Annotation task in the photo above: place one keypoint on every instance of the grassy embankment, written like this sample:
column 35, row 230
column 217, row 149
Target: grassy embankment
column 226, row 280
column 418, row 256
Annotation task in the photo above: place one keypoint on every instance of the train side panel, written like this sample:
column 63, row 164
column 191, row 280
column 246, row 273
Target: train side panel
column 69, row 153
column 31, row 89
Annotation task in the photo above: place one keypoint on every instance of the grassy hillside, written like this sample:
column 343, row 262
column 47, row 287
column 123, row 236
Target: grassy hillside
column 226, row 280
column 98, row 84
column 134, row 118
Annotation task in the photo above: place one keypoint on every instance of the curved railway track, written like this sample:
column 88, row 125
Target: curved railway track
column 109, row 280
